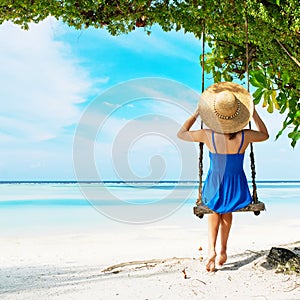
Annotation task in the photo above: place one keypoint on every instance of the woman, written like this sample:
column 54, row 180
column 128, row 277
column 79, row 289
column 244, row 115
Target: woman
column 225, row 108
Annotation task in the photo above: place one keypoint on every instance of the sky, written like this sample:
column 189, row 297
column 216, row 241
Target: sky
column 82, row 104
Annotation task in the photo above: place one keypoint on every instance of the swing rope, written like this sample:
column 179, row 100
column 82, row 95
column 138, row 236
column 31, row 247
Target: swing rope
column 199, row 199
column 252, row 160
column 253, row 172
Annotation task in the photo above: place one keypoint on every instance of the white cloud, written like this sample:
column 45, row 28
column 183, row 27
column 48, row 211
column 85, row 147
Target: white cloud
column 41, row 82
column 126, row 147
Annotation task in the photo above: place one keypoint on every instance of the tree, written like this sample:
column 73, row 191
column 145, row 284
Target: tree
column 273, row 36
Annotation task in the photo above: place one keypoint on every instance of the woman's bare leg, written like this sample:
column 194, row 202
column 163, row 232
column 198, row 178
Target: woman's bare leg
column 225, row 225
column 213, row 228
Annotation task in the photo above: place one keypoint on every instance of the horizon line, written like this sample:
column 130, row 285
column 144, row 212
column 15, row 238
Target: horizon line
column 129, row 181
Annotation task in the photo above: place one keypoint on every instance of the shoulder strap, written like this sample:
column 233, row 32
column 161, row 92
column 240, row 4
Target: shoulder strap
column 242, row 142
column 213, row 140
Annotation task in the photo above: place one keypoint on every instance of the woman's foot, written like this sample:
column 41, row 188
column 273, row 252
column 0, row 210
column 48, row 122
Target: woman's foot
column 211, row 262
column 222, row 259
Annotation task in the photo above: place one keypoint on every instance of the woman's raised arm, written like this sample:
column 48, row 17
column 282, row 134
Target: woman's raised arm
column 261, row 134
column 186, row 134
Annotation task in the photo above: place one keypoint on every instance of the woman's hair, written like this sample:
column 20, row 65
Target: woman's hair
column 232, row 135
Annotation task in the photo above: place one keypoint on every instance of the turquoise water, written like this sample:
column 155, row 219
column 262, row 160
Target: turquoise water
column 44, row 206
column 70, row 193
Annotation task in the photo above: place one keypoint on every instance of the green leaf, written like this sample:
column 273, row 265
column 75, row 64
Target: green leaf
column 270, row 108
column 279, row 133
column 285, row 124
column 257, row 95
column 260, row 77
column 218, row 64
column 227, row 77
column 285, row 78
column 217, row 76
column 255, row 83
column 273, row 96
column 257, row 92
column 295, row 135
column 297, row 115
column 266, row 98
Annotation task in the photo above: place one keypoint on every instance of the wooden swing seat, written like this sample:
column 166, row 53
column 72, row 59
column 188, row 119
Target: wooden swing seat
column 200, row 209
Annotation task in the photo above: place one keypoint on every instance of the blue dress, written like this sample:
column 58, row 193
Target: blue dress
column 226, row 188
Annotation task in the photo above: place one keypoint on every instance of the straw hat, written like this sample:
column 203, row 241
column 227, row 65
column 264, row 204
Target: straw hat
column 226, row 107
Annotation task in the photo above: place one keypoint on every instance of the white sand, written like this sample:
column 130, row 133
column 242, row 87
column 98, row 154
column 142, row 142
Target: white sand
column 70, row 265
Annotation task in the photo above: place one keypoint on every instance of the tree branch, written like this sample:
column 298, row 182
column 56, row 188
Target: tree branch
column 294, row 59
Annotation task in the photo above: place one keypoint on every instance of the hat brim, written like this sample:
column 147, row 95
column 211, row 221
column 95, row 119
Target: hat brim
column 209, row 117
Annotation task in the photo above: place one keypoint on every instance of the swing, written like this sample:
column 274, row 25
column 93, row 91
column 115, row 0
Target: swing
column 255, row 206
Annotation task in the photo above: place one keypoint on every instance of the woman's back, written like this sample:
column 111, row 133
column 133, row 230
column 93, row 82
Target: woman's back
column 225, row 143
column 226, row 162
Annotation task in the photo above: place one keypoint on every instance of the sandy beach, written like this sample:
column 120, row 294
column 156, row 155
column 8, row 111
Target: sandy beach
column 151, row 261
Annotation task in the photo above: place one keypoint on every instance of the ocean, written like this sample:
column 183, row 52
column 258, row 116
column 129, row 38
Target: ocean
column 65, row 206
